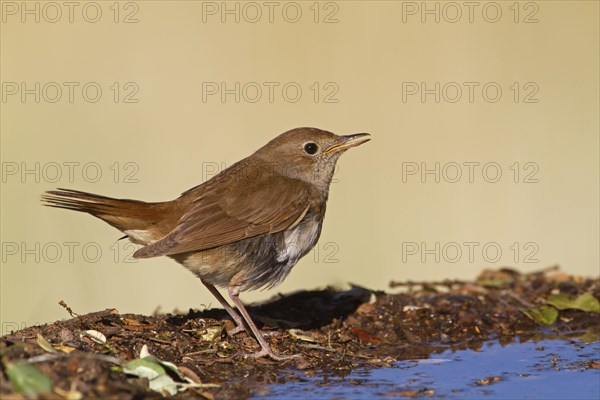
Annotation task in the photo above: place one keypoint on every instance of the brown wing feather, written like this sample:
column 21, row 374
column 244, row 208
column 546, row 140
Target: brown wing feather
column 226, row 211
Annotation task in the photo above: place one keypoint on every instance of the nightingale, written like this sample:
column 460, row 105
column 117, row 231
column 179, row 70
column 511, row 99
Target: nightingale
column 243, row 229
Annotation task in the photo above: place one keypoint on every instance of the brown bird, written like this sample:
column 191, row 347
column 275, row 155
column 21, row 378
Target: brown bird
column 243, row 229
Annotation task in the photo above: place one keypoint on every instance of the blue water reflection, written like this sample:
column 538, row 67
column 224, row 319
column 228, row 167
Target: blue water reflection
column 544, row 369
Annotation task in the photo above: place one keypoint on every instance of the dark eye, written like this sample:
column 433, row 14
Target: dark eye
column 311, row 148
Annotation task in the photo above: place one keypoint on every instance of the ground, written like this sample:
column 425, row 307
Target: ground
column 334, row 331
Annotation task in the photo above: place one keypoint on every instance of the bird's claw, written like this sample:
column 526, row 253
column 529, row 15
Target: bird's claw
column 274, row 356
column 236, row 330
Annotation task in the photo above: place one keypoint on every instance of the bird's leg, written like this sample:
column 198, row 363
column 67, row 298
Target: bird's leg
column 234, row 293
column 239, row 322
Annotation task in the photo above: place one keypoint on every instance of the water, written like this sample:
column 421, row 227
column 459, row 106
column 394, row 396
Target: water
column 542, row 369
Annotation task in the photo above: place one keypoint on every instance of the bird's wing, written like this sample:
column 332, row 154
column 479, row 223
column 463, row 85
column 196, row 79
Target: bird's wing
column 226, row 213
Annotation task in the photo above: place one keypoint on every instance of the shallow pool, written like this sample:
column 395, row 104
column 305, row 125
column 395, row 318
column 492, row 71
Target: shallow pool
column 533, row 369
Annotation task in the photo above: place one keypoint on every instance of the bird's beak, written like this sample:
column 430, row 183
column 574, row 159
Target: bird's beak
column 348, row 141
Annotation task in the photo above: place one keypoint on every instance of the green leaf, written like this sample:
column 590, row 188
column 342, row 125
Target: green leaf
column 144, row 368
column 150, row 368
column 164, row 384
column 584, row 302
column 543, row 315
column 44, row 344
column 145, row 355
column 156, row 371
column 27, row 378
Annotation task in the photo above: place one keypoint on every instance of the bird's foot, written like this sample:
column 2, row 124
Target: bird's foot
column 241, row 328
column 236, row 330
column 267, row 352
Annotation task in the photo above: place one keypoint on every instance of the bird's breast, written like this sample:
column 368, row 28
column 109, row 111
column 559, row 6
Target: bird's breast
column 299, row 240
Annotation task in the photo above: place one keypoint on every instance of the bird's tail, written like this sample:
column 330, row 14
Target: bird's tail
column 123, row 214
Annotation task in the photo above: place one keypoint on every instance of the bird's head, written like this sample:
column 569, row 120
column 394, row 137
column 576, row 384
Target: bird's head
column 308, row 154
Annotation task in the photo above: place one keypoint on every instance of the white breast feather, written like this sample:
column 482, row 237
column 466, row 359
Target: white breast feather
column 298, row 241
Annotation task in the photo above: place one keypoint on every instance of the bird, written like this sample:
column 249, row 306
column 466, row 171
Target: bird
column 243, row 229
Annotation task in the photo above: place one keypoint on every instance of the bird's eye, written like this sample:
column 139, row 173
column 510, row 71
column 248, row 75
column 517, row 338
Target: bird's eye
column 311, row 148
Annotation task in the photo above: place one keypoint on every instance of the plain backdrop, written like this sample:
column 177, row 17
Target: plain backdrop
column 483, row 116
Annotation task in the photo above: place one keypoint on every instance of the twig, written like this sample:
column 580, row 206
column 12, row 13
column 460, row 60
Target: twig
column 160, row 341
column 54, row 356
column 318, row 347
column 72, row 313
column 447, row 283
column 544, row 270
column 513, row 296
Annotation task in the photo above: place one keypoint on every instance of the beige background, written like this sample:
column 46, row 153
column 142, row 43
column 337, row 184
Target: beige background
column 377, row 50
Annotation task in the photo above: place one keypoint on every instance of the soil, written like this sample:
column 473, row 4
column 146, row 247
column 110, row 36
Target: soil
column 334, row 331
